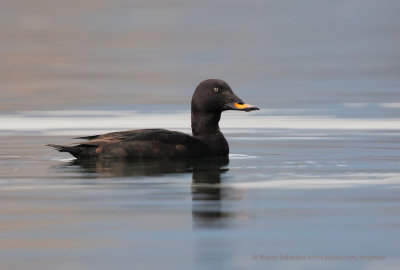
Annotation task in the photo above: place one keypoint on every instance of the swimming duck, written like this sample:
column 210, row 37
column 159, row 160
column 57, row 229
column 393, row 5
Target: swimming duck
column 210, row 99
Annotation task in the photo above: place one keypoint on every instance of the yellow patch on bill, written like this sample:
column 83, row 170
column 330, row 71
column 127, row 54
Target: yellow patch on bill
column 241, row 106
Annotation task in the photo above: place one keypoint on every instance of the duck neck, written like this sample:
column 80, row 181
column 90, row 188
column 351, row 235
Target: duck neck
column 205, row 127
column 205, row 124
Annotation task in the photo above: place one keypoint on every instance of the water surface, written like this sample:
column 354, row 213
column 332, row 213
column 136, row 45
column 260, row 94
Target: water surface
column 312, row 181
column 283, row 191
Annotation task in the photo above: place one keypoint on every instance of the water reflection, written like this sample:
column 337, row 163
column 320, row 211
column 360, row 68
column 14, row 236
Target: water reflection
column 121, row 168
column 207, row 195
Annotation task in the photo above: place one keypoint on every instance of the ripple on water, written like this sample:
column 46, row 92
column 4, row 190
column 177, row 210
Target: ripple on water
column 241, row 156
column 63, row 159
column 388, row 180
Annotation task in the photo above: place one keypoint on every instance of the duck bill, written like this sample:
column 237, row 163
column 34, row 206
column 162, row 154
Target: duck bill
column 241, row 106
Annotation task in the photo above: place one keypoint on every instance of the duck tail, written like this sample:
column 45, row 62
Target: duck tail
column 73, row 150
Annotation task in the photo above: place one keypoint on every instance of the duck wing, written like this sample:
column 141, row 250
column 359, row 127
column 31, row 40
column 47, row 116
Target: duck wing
column 138, row 144
column 115, row 137
column 118, row 134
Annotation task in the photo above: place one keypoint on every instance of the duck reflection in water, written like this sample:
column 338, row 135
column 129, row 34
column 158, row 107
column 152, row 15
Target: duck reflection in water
column 206, row 191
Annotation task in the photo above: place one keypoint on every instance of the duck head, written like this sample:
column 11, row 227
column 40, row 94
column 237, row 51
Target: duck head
column 214, row 95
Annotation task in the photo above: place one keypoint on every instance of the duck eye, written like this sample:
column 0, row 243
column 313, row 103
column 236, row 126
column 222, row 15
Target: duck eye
column 216, row 89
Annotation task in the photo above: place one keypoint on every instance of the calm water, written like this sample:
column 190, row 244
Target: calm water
column 314, row 174
column 283, row 191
